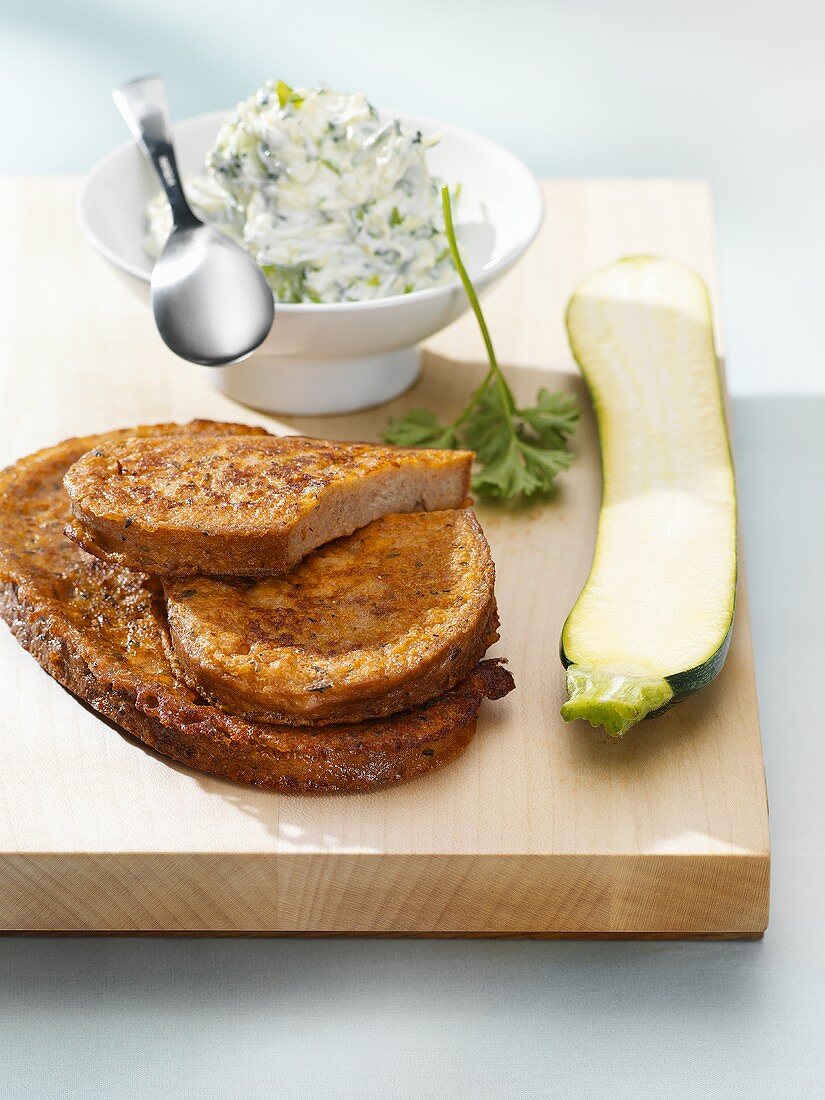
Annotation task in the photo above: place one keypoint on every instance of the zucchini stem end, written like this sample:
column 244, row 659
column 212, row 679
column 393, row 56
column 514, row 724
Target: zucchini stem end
column 611, row 699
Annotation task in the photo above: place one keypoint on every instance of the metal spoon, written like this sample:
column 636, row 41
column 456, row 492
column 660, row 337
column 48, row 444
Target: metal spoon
column 211, row 302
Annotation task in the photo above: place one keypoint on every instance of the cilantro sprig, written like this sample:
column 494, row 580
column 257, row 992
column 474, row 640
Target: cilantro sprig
column 518, row 450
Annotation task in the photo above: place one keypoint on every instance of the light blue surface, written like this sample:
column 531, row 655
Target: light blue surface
column 731, row 91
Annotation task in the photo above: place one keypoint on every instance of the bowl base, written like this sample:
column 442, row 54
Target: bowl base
column 321, row 387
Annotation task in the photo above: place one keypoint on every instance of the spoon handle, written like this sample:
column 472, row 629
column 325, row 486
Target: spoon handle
column 145, row 107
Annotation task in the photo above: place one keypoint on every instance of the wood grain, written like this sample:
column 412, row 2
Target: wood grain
column 540, row 829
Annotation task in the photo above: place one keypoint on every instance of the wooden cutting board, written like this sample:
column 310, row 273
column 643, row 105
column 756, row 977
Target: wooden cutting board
column 540, row 829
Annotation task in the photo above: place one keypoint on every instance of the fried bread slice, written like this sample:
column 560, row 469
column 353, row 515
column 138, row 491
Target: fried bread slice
column 371, row 624
column 247, row 507
column 99, row 631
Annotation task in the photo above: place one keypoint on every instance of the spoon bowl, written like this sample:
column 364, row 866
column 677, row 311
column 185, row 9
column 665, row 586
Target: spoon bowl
column 210, row 303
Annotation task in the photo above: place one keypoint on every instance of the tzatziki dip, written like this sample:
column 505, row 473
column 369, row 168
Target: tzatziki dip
column 333, row 203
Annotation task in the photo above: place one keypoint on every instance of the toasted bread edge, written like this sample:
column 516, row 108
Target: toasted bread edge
column 355, row 760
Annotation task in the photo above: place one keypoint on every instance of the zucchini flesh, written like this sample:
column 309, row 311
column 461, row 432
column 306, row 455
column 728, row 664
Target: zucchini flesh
column 653, row 621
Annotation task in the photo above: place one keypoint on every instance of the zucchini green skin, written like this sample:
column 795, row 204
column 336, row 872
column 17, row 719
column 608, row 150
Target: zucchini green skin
column 605, row 696
column 682, row 683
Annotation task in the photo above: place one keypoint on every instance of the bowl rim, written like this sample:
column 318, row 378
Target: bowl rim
column 489, row 272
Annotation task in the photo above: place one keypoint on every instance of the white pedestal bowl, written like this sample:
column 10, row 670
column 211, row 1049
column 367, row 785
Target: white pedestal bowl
column 326, row 359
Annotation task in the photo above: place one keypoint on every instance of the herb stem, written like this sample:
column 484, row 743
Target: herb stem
column 474, row 400
column 495, row 371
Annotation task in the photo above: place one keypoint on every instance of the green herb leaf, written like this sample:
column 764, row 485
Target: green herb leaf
column 286, row 283
column 519, row 451
column 287, row 95
column 419, row 428
column 483, row 428
column 524, row 463
column 395, row 217
column 553, row 418
column 520, row 469
column 327, row 163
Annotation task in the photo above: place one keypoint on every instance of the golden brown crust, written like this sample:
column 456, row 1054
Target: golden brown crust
column 343, row 759
column 245, row 506
column 98, row 630
column 383, row 620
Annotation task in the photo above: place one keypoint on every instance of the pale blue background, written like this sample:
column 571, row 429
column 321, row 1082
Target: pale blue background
column 729, row 90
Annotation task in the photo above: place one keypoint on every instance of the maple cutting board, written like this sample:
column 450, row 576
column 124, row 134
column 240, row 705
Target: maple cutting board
column 540, row 828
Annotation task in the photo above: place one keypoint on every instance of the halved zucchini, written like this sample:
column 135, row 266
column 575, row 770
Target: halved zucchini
column 653, row 621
